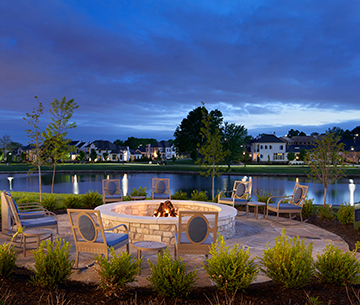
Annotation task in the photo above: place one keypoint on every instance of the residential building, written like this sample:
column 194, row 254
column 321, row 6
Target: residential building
column 167, row 150
column 268, row 148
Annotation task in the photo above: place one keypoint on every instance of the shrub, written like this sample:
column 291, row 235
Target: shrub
column 199, row 196
column 117, row 271
column 71, row 202
column 326, row 212
column 8, row 257
column 49, row 202
column 346, row 213
column 180, row 196
column 308, row 208
column 141, row 191
column 52, row 265
column 92, row 199
column 289, row 262
column 337, row 267
column 263, row 196
column 230, row 271
column 169, row 277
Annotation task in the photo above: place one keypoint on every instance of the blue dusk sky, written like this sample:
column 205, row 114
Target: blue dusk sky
column 137, row 68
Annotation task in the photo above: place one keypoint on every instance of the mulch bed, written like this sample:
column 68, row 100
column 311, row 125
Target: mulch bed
column 17, row 289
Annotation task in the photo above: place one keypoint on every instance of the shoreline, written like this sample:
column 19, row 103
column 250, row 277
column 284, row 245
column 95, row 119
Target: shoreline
column 166, row 172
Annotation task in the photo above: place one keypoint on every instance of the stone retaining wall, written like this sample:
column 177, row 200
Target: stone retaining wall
column 143, row 227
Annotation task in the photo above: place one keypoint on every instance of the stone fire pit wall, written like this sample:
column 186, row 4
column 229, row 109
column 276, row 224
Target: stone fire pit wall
column 137, row 215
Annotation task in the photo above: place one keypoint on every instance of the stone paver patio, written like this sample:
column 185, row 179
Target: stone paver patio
column 249, row 232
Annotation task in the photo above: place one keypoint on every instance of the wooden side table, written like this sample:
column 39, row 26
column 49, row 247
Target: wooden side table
column 147, row 246
column 256, row 205
column 39, row 234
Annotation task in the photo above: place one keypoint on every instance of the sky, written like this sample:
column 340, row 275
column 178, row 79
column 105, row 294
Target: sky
column 137, row 68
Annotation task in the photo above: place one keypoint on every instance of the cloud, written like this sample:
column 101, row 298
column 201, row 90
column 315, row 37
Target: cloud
column 139, row 67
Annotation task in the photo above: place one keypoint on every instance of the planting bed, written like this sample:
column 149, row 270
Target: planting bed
column 19, row 291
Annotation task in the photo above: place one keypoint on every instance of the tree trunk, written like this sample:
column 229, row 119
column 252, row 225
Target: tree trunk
column 325, row 189
column 40, row 192
column 213, row 187
column 53, row 180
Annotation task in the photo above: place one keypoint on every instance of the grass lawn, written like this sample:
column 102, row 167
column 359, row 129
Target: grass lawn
column 178, row 166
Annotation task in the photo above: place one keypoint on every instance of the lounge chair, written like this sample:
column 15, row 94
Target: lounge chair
column 289, row 204
column 90, row 235
column 111, row 190
column 238, row 196
column 161, row 188
column 195, row 232
column 27, row 216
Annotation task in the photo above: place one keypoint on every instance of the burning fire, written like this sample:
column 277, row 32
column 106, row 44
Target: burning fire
column 166, row 209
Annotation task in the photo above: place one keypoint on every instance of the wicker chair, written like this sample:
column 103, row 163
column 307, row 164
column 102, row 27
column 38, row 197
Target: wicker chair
column 90, row 236
column 111, row 190
column 289, row 204
column 195, row 232
column 161, row 188
column 28, row 216
column 239, row 194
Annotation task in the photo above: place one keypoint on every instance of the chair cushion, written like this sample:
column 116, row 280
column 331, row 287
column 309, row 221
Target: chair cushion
column 298, row 195
column 160, row 187
column 38, row 222
column 198, row 229
column 184, row 239
column 112, row 238
column 285, row 206
column 111, row 187
column 161, row 196
column 116, row 196
column 240, row 190
column 236, row 201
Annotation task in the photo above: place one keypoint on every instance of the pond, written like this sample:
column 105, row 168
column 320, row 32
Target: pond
column 82, row 183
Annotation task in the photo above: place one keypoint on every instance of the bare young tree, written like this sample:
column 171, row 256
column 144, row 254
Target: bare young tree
column 57, row 148
column 5, row 143
column 36, row 140
column 326, row 161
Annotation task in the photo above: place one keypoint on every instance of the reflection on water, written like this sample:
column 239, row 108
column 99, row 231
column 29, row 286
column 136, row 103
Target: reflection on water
column 83, row 183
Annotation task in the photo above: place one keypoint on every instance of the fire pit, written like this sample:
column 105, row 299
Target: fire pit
column 165, row 209
column 138, row 216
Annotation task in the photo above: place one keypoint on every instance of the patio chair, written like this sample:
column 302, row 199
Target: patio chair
column 289, row 204
column 28, row 216
column 90, row 235
column 111, row 190
column 196, row 230
column 239, row 194
column 161, row 188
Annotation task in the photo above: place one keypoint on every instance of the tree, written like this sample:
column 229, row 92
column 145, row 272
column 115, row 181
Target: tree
column 119, row 142
column 293, row 133
column 81, row 156
column 134, row 143
column 337, row 131
column 5, row 142
column 93, row 156
column 302, row 154
column 326, row 161
column 194, row 155
column 36, row 139
column 188, row 134
column 291, row 156
column 234, row 139
column 55, row 134
column 211, row 150
column 105, row 156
